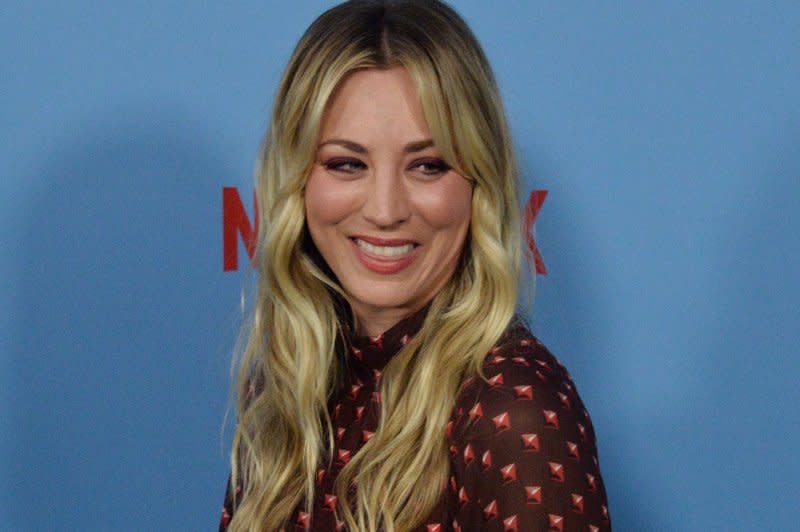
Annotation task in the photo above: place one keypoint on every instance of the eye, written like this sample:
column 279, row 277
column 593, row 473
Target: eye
column 432, row 166
column 347, row 166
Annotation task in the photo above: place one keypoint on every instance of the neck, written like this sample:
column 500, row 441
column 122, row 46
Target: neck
column 380, row 321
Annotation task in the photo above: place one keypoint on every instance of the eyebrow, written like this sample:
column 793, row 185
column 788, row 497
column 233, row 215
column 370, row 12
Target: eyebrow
column 411, row 147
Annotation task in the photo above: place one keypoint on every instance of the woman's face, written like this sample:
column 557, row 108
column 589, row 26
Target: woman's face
column 387, row 214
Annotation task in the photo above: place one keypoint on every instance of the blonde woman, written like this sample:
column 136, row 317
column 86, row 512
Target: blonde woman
column 387, row 383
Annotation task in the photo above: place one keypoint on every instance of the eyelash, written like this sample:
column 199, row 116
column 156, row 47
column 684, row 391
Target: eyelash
column 336, row 165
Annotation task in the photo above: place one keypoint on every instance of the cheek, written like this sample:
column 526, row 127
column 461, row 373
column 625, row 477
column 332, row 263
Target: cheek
column 449, row 207
column 327, row 202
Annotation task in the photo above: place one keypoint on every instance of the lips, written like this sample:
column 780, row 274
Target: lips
column 385, row 256
column 388, row 251
column 375, row 241
column 384, row 248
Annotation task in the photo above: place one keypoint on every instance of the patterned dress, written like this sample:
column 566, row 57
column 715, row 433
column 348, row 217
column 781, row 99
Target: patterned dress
column 522, row 447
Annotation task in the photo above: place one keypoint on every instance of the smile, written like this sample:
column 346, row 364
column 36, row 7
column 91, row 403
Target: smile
column 385, row 251
column 387, row 258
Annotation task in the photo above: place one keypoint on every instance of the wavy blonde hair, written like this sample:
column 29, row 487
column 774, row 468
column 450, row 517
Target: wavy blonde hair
column 291, row 364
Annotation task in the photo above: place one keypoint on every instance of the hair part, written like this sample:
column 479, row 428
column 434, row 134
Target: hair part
column 291, row 364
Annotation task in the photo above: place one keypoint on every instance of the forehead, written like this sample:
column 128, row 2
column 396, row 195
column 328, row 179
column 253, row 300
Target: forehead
column 385, row 99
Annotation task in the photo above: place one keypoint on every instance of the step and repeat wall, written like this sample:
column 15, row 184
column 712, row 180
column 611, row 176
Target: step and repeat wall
column 660, row 147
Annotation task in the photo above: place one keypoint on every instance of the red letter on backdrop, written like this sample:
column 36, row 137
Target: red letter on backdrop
column 531, row 211
column 235, row 222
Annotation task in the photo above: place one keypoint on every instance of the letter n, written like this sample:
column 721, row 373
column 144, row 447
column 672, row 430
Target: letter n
column 235, row 222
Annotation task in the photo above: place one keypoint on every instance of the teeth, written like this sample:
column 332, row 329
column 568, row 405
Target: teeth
column 386, row 251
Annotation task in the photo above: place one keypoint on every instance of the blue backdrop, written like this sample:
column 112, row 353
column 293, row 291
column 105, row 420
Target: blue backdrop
column 666, row 133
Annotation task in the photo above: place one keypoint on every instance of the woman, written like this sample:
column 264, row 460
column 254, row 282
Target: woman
column 387, row 382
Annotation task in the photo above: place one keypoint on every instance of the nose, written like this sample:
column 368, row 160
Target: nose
column 386, row 204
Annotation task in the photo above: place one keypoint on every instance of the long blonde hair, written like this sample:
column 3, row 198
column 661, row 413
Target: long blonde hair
column 291, row 364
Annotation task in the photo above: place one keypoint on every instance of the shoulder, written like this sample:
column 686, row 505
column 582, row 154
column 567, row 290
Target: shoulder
column 522, row 445
column 523, row 382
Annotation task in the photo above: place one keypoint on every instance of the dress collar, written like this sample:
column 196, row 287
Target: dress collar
column 376, row 351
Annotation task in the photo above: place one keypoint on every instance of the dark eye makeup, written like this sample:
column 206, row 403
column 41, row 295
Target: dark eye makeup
column 436, row 166
column 343, row 165
column 431, row 166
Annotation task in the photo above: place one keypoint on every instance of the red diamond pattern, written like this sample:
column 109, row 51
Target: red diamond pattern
column 330, row 501
column 524, row 391
column 303, row 519
column 462, row 496
column 469, row 454
column 556, row 471
column 509, row 472
column 343, row 455
column 590, row 480
column 521, row 361
column 564, row 400
column 533, row 494
column 376, row 341
column 475, row 412
column 497, row 359
column 501, row 422
column 496, row 381
column 530, row 442
column 486, row 459
column 526, row 416
column 490, row 511
column 556, row 522
column 510, row 524
column 550, row 418
column 577, row 503
column 572, row 450
column 354, row 389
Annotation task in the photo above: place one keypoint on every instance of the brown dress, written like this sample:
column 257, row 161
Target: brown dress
column 522, row 447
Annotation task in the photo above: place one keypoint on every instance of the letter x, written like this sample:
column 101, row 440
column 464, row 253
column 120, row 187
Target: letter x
column 531, row 211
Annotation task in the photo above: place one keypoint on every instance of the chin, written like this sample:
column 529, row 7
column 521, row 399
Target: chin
column 381, row 297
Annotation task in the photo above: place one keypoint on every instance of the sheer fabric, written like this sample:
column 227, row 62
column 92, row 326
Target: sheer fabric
column 523, row 455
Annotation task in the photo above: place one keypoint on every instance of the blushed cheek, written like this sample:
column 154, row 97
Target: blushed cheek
column 448, row 207
column 327, row 200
